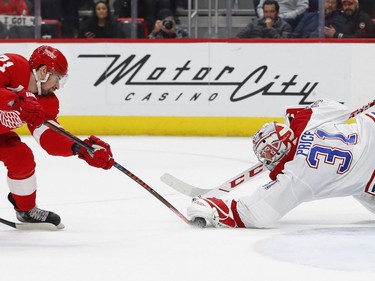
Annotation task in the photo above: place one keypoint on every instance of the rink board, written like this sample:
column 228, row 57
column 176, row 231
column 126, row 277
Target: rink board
column 167, row 126
column 224, row 88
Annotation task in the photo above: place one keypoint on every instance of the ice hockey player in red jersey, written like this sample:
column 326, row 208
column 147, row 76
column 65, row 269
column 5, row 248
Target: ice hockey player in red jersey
column 314, row 155
column 27, row 97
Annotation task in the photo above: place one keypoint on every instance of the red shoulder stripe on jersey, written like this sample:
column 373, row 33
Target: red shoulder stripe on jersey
column 298, row 125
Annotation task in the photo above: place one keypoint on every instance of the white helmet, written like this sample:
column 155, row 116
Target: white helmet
column 272, row 143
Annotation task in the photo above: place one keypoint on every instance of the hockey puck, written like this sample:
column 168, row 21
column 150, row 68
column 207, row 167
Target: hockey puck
column 199, row 222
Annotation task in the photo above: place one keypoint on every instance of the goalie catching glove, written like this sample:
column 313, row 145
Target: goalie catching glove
column 99, row 157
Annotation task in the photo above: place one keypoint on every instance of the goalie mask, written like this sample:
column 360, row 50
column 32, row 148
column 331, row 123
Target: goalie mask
column 272, row 143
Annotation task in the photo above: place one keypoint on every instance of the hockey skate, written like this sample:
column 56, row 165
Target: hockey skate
column 37, row 215
column 218, row 212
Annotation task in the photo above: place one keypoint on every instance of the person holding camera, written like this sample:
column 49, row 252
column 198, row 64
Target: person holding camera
column 165, row 27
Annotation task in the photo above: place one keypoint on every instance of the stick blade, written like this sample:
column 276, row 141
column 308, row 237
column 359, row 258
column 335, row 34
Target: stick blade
column 182, row 186
column 44, row 226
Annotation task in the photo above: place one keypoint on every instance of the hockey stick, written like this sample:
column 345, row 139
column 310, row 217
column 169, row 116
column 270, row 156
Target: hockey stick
column 235, row 181
column 362, row 109
column 29, row 226
column 218, row 191
column 198, row 222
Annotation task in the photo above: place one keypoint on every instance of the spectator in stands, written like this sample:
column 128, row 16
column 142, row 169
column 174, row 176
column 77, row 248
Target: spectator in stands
column 165, row 27
column 358, row 23
column 101, row 24
column 269, row 26
column 309, row 23
column 290, row 10
column 14, row 7
column 122, row 9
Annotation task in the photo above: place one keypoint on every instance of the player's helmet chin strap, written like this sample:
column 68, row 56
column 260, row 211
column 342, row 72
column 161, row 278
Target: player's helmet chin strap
column 40, row 81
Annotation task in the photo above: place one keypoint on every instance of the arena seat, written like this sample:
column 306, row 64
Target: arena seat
column 125, row 25
column 51, row 29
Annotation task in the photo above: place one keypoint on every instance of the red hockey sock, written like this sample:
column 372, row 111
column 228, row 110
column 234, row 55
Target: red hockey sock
column 23, row 202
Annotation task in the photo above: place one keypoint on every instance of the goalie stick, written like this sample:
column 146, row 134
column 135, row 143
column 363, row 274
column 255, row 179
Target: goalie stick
column 235, row 181
column 218, row 191
column 198, row 222
column 362, row 109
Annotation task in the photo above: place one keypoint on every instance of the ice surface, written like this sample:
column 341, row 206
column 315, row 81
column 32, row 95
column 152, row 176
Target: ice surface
column 116, row 230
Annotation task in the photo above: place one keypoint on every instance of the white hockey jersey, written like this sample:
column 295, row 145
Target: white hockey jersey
column 331, row 159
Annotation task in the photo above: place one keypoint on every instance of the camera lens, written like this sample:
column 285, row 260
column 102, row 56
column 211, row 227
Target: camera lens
column 168, row 24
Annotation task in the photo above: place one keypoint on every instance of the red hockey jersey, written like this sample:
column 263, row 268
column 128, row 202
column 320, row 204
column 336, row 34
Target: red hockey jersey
column 15, row 75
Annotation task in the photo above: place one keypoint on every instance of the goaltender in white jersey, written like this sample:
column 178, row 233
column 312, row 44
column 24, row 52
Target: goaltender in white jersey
column 314, row 155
